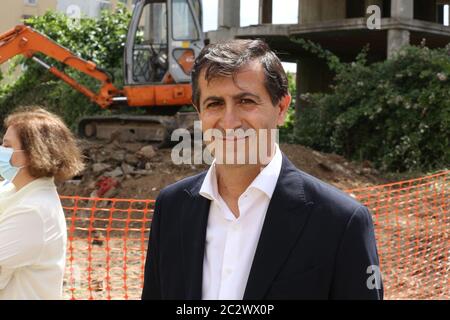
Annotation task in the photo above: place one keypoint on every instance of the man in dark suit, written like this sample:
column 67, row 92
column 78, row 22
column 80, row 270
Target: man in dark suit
column 255, row 230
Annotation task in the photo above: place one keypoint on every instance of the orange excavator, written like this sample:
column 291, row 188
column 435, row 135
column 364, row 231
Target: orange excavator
column 163, row 40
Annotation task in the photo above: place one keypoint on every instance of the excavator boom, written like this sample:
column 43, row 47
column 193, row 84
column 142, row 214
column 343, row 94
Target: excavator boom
column 23, row 40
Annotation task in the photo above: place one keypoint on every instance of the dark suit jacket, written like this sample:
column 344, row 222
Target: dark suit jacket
column 316, row 243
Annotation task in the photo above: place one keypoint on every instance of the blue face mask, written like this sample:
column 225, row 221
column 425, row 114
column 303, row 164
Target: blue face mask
column 8, row 171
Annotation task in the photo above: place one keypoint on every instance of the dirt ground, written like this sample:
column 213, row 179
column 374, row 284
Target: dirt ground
column 150, row 174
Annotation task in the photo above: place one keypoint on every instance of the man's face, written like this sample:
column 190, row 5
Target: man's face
column 242, row 103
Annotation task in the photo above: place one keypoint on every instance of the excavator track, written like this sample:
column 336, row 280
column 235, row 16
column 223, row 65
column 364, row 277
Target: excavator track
column 130, row 128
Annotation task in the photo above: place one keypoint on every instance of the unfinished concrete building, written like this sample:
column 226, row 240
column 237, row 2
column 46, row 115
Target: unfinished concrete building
column 342, row 27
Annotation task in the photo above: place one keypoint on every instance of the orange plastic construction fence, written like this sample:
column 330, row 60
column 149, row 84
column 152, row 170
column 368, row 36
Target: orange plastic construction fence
column 107, row 241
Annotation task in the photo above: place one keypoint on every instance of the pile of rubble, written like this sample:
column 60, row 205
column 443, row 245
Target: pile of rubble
column 109, row 164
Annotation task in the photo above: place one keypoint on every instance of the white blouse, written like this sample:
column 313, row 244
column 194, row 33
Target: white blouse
column 33, row 238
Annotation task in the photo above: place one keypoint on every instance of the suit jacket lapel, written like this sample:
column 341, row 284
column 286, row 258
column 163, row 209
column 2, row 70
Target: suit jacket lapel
column 286, row 216
column 194, row 222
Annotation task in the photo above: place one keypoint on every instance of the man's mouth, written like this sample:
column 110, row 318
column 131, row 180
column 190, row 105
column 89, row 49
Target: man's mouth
column 237, row 135
column 234, row 138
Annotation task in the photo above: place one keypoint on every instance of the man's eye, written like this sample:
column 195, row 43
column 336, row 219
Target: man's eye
column 246, row 101
column 213, row 104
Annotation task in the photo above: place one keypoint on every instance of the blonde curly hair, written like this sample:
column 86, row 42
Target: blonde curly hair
column 49, row 145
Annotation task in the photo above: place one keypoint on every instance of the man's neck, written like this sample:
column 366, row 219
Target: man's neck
column 233, row 180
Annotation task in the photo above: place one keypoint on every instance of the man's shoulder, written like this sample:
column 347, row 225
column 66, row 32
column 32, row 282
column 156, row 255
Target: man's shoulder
column 321, row 188
column 327, row 196
column 179, row 188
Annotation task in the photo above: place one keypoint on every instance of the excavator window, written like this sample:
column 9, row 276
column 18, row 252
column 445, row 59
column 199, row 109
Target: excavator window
column 183, row 21
column 150, row 45
column 198, row 11
column 164, row 38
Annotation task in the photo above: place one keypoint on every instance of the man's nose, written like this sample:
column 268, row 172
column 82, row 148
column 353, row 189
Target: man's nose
column 231, row 118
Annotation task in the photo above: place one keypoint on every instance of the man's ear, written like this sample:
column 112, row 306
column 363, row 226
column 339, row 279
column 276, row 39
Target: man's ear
column 283, row 106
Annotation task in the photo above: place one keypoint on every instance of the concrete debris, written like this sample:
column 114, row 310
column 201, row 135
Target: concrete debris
column 131, row 159
column 118, row 155
column 100, row 167
column 117, row 172
column 147, row 152
column 126, row 168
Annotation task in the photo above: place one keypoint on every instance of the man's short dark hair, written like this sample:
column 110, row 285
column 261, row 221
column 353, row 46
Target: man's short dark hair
column 225, row 59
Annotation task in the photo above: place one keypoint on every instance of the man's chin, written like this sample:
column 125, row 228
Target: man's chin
column 234, row 165
column 234, row 160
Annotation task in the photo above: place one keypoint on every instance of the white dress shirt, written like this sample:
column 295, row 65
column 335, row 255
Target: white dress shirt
column 33, row 237
column 231, row 242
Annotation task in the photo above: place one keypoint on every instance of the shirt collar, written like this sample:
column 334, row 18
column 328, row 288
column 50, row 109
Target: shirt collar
column 265, row 181
column 209, row 187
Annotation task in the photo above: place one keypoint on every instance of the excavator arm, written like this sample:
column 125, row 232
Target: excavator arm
column 164, row 98
column 26, row 41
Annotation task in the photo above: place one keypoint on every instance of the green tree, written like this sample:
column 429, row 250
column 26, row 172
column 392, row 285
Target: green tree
column 395, row 113
column 287, row 130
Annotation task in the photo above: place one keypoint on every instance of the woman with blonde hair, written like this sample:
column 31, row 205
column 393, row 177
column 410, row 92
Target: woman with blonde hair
column 37, row 149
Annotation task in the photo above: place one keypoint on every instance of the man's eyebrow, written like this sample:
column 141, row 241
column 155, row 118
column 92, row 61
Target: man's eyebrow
column 212, row 98
column 246, row 95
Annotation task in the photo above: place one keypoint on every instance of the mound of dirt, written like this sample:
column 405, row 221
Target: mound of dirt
column 140, row 171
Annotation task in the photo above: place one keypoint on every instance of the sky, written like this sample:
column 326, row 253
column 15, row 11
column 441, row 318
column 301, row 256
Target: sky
column 446, row 16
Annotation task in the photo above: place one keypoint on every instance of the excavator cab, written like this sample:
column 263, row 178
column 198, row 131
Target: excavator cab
column 164, row 38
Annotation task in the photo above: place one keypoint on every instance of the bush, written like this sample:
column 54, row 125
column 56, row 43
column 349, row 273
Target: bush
column 395, row 113
column 100, row 40
column 287, row 130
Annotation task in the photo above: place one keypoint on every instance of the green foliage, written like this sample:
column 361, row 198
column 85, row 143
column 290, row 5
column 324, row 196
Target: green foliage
column 99, row 40
column 395, row 113
column 287, row 130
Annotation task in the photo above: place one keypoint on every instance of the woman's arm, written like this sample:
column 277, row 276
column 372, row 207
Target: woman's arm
column 21, row 237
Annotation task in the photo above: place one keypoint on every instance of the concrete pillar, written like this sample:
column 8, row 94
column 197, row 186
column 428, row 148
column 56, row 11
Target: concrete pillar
column 321, row 10
column 400, row 9
column 265, row 11
column 397, row 38
column 313, row 75
column 229, row 13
